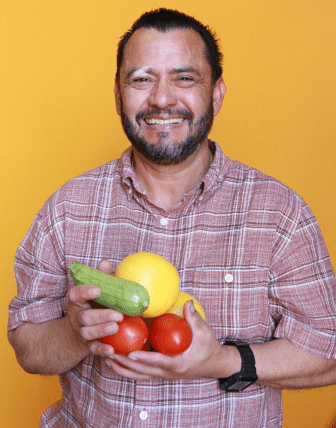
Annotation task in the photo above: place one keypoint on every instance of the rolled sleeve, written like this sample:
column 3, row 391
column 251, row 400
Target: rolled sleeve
column 303, row 291
column 39, row 272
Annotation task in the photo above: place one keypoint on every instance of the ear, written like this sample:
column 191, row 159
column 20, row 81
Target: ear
column 117, row 96
column 218, row 95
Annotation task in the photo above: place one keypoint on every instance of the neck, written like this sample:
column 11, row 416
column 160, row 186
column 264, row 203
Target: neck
column 165, row 185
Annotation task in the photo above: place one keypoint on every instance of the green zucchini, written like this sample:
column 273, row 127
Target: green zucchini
column 122, row 295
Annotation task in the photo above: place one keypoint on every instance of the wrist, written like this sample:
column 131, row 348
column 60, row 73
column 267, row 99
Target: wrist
column 230, row 361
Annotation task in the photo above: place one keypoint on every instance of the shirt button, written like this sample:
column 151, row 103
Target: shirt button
column 163, row 221
column 143, row 415
column 228, row 277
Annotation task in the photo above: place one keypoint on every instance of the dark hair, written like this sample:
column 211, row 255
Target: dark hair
column 165, row 20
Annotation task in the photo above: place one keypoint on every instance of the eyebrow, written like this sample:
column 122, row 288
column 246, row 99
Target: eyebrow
column 135, row 69
column 178, row 70
column 186, row 70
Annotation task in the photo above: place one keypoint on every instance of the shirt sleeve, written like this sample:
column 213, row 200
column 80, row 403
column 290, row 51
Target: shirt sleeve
column 302, row 289
column 39, row 270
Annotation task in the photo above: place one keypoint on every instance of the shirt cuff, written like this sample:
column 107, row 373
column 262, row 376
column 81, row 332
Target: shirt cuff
column 305, row 337
column 35, row 313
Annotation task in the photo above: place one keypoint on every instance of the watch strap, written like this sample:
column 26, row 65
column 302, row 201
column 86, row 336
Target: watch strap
column 248, row 373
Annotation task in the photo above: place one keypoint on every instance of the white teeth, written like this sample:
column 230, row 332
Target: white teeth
column 163, row 122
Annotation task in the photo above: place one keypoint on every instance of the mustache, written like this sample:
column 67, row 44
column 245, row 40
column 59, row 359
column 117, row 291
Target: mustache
column 156, row 112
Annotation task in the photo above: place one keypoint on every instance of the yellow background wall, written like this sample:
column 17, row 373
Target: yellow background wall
column 58, row 120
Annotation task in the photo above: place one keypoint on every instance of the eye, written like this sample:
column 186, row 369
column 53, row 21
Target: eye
column 185, row 81
column 141, row 80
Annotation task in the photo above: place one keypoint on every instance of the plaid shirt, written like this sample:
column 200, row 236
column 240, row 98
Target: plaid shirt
column 247, row 247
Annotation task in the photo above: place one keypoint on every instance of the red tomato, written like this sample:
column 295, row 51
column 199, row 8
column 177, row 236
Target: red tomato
column 170, row 334
column 131, row 336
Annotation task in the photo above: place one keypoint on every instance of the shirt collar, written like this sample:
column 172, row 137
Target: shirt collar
column 212, row 179
column 217, row 170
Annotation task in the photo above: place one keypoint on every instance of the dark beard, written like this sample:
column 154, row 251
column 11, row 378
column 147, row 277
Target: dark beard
column 166, row 152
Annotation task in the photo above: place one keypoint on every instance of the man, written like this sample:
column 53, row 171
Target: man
column 247, row 247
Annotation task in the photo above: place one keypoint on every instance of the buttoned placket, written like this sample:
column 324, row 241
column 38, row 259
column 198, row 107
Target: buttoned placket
column 143, row 415
column 163, row 221
column 228, row 278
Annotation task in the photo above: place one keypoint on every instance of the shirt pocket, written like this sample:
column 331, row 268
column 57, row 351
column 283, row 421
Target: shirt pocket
column 235, row 302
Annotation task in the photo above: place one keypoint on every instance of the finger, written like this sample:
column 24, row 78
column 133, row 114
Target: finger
column 91, row 317
column 153, row 364
column 156, row 364
column 123, row 371
column 139, row 370
column 101, row 349
column 97, row 331
column 80, row 294
column 151, row 358
column 105, row 266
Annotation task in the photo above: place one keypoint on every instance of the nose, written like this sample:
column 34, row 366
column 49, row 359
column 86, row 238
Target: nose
column 162, row 95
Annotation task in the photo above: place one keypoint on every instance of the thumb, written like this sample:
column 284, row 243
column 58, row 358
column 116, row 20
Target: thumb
column 105, row 266
column 190, row 313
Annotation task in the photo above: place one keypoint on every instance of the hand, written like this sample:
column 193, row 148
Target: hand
column 205, row 357
column 90, row 324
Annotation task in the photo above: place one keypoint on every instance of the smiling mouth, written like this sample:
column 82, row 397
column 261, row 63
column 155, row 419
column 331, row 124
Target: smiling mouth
column 175, row 121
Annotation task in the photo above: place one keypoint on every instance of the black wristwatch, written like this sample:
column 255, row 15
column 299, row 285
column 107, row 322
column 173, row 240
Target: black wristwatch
column 248, row 373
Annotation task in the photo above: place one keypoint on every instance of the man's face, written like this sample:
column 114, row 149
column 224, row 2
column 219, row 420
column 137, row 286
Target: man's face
column 165, row 97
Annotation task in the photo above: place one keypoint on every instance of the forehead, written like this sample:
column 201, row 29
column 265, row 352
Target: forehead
column 150, row 47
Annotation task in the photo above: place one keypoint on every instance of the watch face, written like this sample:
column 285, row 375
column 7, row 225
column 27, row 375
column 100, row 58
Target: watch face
column 239, row 386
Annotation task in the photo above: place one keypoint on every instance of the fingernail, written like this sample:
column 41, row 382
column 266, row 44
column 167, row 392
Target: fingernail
column 109, row 352
column 110, row 329
column 94, row 292
column 116, row 317
column 192, row 307
column 132, row 357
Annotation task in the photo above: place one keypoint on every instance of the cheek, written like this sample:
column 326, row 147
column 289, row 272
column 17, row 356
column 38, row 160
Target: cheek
column 133, row 102
column 197, row 101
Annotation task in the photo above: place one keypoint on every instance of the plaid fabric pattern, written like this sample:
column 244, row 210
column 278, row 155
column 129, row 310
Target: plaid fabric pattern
column 247, row 247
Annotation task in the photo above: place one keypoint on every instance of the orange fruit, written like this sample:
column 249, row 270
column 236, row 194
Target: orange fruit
column 157, row 275
column 182, row 297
